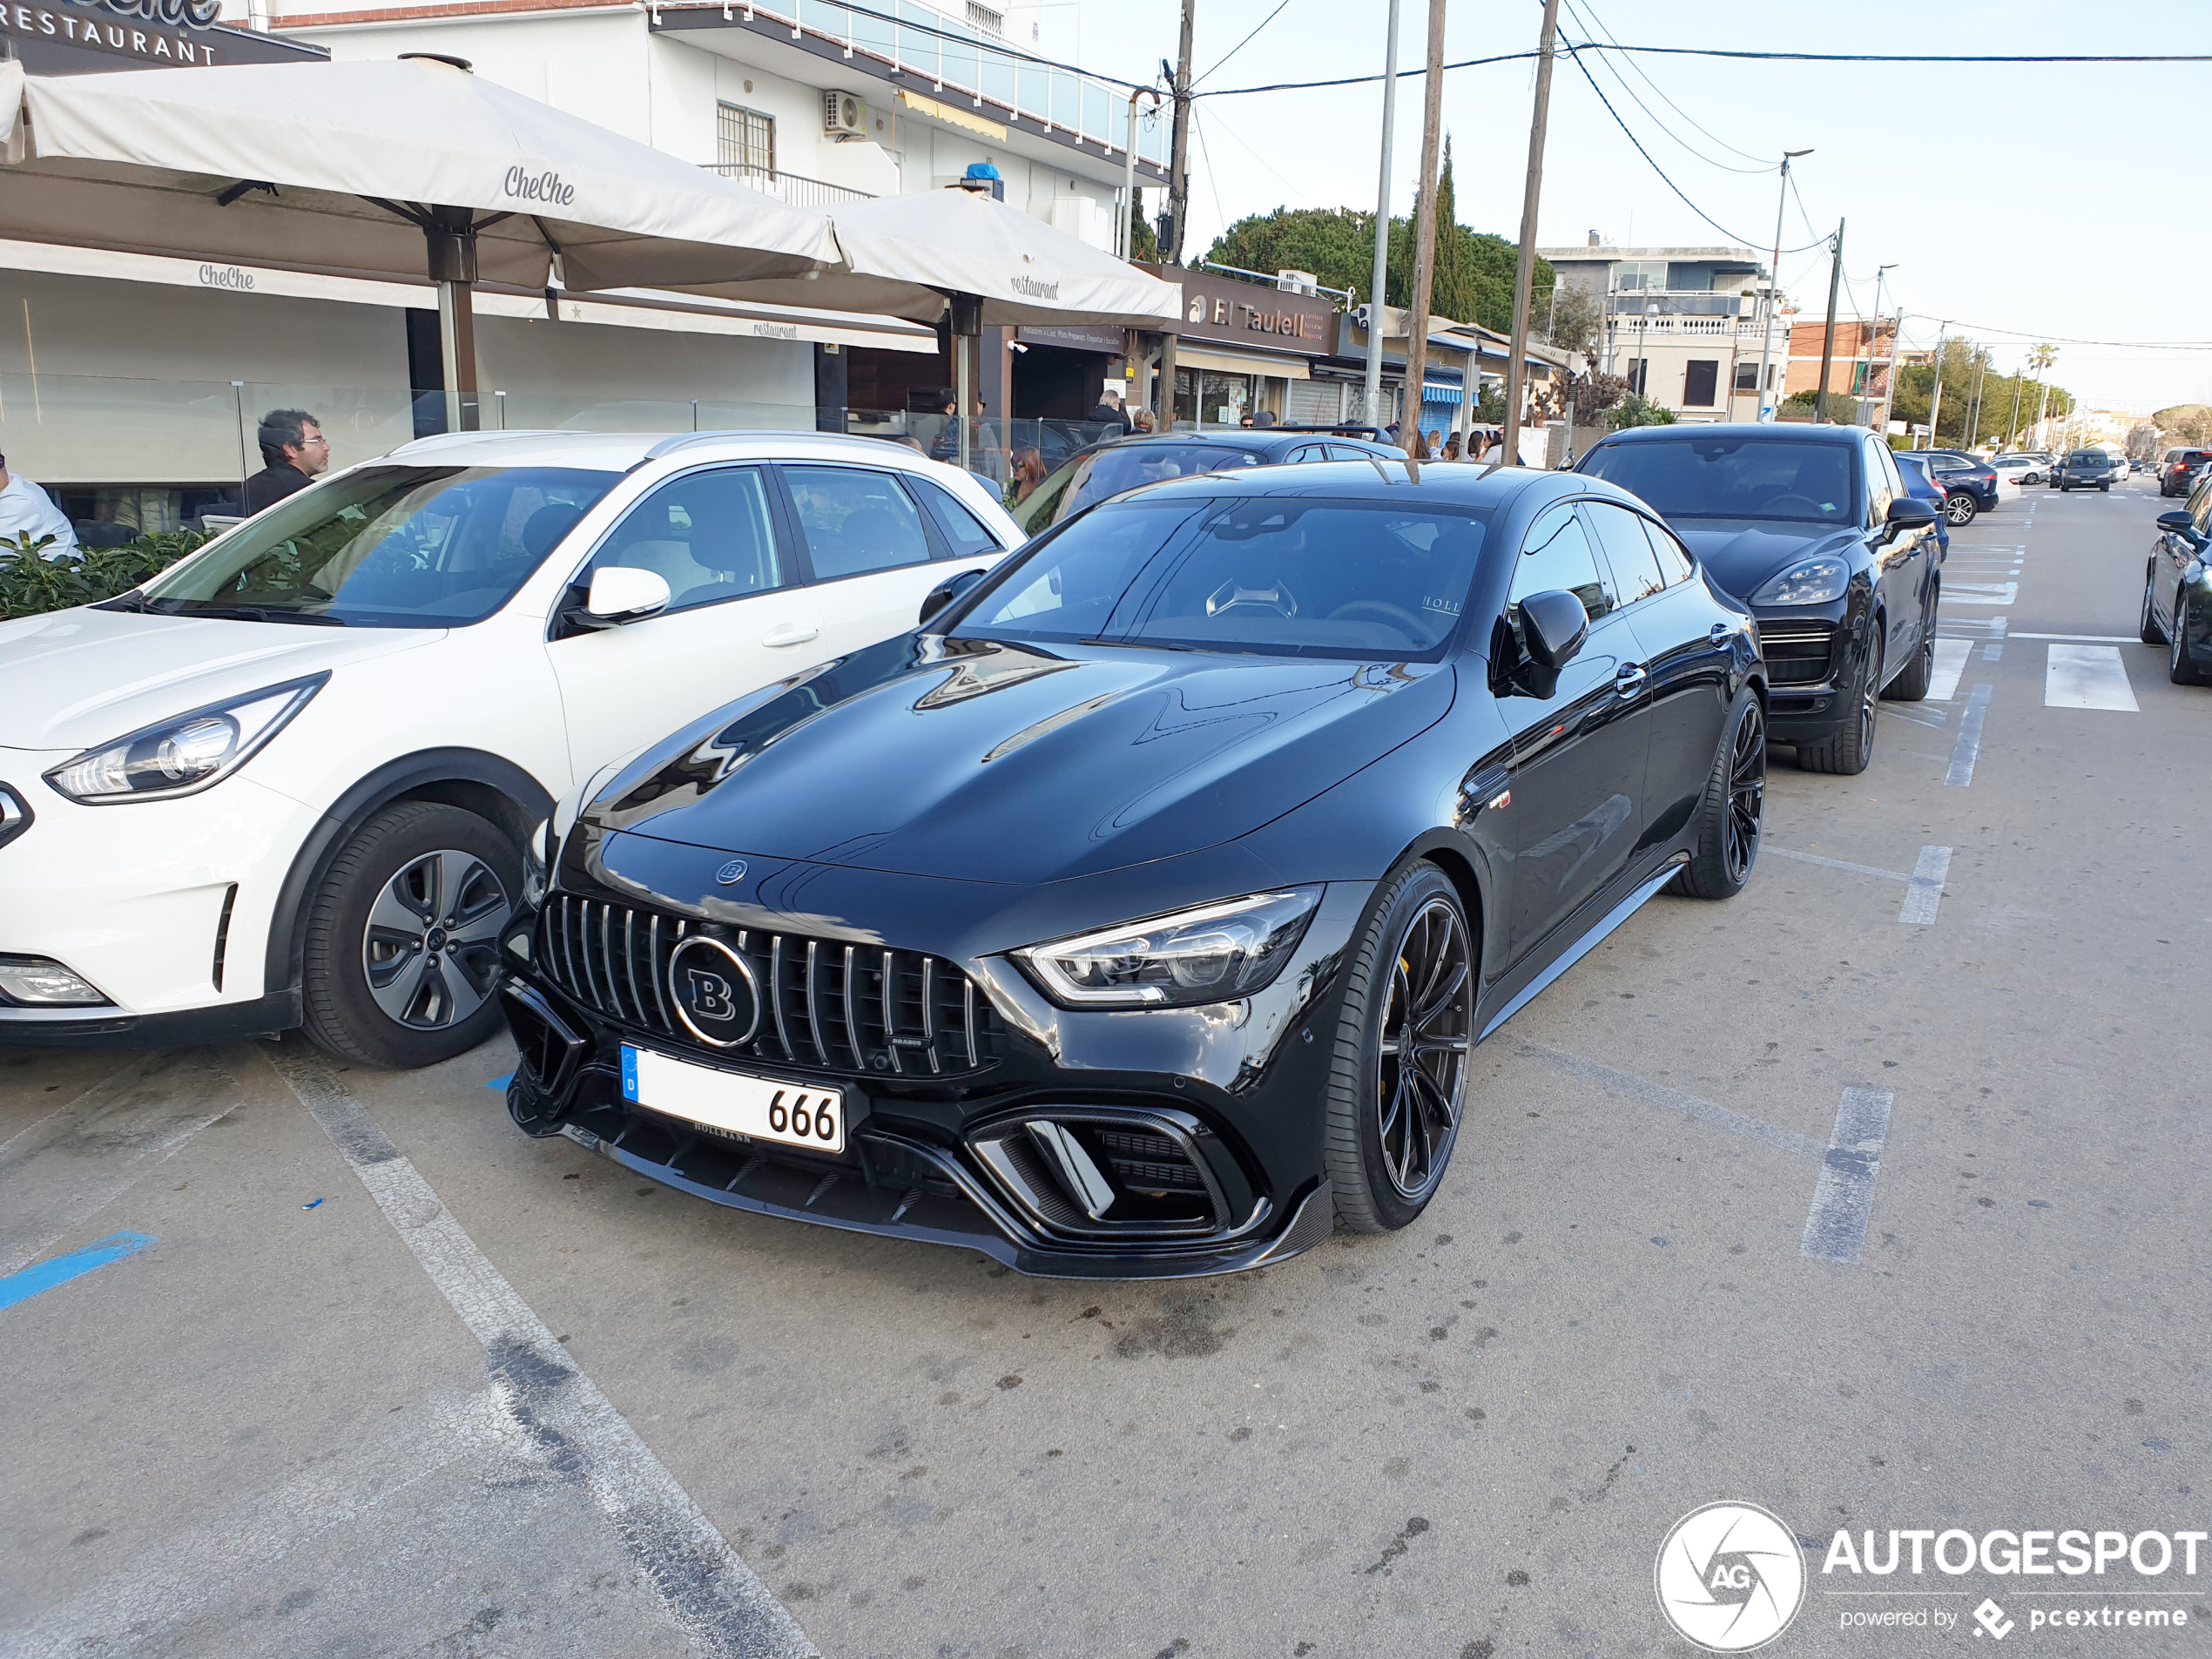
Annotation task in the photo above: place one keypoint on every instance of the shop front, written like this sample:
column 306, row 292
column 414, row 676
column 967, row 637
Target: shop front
column 1243, row 349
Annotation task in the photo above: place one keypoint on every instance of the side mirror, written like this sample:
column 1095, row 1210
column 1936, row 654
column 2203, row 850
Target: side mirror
column 2179, row 524
column 621, row 594
column 1908, row 513
column 1553, row 625
column 945, row 592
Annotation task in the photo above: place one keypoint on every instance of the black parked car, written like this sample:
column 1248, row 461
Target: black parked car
column 1108, row 467
column 1812, row 528
column 1137, row 914
column 1969, row 483
column 2177, row 590
column 2178, row 471
column 2086, row 469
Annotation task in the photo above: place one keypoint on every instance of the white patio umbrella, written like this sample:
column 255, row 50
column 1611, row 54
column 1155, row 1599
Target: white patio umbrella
column 403, row 168
column 910, row 256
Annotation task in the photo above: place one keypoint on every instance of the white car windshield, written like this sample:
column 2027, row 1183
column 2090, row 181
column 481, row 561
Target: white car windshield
column 387, row 547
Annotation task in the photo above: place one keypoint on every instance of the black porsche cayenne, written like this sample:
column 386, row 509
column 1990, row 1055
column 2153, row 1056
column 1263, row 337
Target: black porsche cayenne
column 1135, row 915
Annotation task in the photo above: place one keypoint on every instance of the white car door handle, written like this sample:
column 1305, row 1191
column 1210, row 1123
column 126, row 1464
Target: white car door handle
column 791, row 633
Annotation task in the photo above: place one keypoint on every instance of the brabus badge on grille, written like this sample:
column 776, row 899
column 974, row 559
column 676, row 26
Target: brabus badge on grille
column 716, row 996
column 731, row 872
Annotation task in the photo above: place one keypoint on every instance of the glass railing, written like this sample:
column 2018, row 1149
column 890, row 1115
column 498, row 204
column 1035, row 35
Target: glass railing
column 960, row 59
column 123, row 457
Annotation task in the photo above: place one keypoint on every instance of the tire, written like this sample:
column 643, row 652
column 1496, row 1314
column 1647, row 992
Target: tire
column 2151, row 633
column 1847, row 751
column 1375, row 1109
column 1958, row 509
column 1732, row 813
column 2181, row 667
column 385, row 984
column 1912, row 683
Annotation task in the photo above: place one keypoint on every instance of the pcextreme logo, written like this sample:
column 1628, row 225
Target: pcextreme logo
column 1729, row 1577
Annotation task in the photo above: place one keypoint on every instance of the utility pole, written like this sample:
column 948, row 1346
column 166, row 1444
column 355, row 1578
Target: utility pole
column 1935, row 397
column 1973, row 409
column 1869, row 334
column 2013, row 426
column 1827, row 339
column 2041, row 359
column 1524, row 270
column 1424, row 235
column 1381, row 275
column 1773, row 286
column 1889, row 377
column 1179, row 202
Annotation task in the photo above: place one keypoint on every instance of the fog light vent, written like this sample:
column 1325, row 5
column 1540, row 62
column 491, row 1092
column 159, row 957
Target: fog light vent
column 1102, row 1172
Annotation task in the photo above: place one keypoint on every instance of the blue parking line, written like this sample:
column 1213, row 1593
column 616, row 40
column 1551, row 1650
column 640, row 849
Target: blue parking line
column 500, row 1082
column 21, row 1287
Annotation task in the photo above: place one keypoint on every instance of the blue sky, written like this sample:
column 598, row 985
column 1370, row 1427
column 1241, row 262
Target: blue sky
column 2055, row 199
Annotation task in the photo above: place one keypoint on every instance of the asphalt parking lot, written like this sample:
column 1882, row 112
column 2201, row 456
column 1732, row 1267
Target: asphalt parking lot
column 1877, row 1197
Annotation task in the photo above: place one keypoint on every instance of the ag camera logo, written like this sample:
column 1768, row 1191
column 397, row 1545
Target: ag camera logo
column 1729, row 1577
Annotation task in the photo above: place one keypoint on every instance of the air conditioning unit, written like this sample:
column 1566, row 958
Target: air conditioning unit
column 1295, row 281
column 844, row 115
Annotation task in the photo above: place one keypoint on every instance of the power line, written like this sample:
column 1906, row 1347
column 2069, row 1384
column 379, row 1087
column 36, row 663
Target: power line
column 2063, row 340
column 1588, row 12
column 1659, row 120
column 1932, row 60
column 1245, row 42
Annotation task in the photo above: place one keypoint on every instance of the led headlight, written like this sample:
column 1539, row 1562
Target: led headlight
column 1213, row 954
column 186, row 753
column 1809, row 582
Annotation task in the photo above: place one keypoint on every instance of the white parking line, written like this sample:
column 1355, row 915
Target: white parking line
column 710, row 1593
column 1980, row 593
column 1925, row 892
column 1673, row 1100
column 1950, row 663
column 1834, row 864
column 2086, row 676
column 1843, row 1198
column 1968, row 749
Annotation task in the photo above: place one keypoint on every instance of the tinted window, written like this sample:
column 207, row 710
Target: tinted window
column 1732, row 477
column 1620, row 536
column 1882, row 486
column 855, row 520
column 2200, row 506
column 708, row 535
column 1557, row 557
column 963, row 531
column 1675, row 562
column 1124, row 466
column 1281, row 577
column 1308, row 452
column 391, row 547
column 1345, row 452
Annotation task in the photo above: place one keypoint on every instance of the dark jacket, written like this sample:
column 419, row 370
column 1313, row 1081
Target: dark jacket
column 273, row 484
column 1107, row 414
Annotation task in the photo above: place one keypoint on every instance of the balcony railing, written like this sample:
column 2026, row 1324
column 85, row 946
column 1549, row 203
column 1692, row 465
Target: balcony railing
column 793, row 190
column 957, row 59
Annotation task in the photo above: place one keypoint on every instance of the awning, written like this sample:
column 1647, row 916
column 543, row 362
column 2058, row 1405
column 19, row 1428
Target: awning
column 1436, row 392
column 1290, row 369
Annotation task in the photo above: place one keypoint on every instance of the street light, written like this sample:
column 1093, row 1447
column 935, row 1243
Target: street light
column 1774, row 282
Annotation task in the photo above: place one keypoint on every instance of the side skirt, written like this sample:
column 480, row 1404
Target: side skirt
column 1587, row 943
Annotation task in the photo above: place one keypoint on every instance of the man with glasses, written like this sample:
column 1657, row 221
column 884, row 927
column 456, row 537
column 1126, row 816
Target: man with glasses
column 294, row 451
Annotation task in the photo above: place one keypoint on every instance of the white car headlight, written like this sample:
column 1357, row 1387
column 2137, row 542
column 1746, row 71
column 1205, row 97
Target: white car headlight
column 1809, row 581
column 186, row 753
column 1216, row 952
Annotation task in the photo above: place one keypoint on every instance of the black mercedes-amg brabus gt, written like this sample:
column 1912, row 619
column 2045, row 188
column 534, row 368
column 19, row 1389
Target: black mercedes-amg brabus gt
column 1136, row 913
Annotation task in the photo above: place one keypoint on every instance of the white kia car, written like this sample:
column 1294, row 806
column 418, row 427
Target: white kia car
column 289, row 781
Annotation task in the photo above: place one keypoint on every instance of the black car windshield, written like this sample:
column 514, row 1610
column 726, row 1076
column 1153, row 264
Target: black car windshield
column 1274, row 575
column 1715, row 477
column 389, row 547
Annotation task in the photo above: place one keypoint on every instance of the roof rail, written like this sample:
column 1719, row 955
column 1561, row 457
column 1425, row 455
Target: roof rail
column 686, row 440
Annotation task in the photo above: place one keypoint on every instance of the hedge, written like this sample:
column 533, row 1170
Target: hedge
column 30, row 582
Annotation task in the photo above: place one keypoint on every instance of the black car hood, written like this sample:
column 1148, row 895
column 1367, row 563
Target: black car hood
column 1018, row 764
column 1741, row 553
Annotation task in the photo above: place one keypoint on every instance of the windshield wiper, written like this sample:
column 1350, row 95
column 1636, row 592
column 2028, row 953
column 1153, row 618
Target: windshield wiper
column 255, row 613
column 129, row 600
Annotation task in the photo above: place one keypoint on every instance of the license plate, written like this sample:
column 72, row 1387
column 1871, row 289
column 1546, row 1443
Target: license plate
column 759, row 1107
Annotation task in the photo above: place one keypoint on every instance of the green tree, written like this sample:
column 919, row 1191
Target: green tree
column 1962, row 425
column 1637, row 410
column 2190, row 422
column 1475, row 270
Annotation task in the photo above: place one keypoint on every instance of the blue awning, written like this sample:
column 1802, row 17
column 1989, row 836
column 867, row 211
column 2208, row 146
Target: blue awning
column 1436, row 392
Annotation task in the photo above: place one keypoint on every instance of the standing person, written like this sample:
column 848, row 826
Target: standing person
column 1143, row 421
column 27, row 509
column 944, row 443
column 293, row 451
column 1028, row 473
column 1111, row 413
column 1451, row 448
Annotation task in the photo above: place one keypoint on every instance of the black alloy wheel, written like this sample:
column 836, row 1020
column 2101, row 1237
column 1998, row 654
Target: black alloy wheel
column 2181, row 667
column 401, row 951
column 2151, row 633
column 1733, row 812
column 1848, row 749
column 1397, row 1080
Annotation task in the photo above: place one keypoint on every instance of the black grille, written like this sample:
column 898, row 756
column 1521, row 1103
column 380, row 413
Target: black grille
column 1796, row 652
column 1149, row 1162
column 831, row 1006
